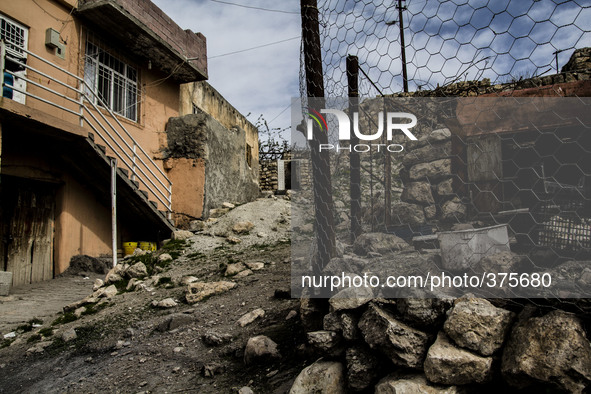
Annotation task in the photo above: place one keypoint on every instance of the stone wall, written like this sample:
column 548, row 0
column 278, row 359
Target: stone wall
column 426, row 173
column 268, row 175
column 442, row 346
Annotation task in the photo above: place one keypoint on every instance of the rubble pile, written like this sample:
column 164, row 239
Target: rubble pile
column 438, row 346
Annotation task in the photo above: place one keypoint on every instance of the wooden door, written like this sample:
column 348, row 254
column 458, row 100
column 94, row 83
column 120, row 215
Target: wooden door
column 27, row 229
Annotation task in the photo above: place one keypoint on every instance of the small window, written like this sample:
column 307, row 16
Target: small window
column 249, row 155
column 15, row 36
column 113, row 81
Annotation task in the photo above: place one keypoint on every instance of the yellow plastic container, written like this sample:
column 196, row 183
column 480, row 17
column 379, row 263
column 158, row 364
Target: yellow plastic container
column 149, row 246
column 129, row 248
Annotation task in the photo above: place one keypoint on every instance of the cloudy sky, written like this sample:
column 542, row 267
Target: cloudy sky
column 256, row 81
column 254, row 45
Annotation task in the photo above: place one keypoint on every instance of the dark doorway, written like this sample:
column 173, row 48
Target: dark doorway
column 27, row 210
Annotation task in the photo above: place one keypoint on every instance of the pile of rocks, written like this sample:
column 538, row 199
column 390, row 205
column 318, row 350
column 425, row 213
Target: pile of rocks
column 440, row 345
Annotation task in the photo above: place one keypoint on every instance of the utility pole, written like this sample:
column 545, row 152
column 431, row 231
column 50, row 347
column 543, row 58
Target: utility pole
column 354, row 160
column 321, row 180
column 401, row 8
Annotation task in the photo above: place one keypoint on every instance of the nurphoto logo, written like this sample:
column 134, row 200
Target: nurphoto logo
column 394, row 122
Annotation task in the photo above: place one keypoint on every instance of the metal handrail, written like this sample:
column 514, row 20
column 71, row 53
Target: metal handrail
column 164, row 193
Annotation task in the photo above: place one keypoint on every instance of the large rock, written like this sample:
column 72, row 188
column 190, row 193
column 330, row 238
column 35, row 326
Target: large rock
column 235, row 268
column 505, row 261
column 327, row 343
column 434, row 170
column 407, row 214
column 312, row 311
column 181, row 235
column 423, row 312
column 378, row 243
column 552, row 350
column 448, row 364
column 453, row 210
column 175, row 321
column 404, row 345
column 411, row 384
column 362, row 368
column 349, row 326
column 417, row 193
column 427, row 153
column 445, row 188
column 138, row 270
column 242, row 227
column 338, row 265
column 326, row 377
column 115, row 274
column 260, row 349
column 250, row 317
column 197, row 291
column 350, row 298
column 476, row 324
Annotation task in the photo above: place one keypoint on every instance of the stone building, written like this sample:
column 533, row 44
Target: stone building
column 93, row 91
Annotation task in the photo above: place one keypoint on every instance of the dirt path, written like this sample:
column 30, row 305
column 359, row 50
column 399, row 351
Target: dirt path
column 42, row 300
column 131, row 346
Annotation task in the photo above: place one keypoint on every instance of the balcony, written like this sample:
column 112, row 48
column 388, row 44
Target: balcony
column 143, row 29
column 68, row 107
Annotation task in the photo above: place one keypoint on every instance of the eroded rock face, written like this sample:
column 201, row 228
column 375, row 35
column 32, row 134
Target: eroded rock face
column 404, row 345
column 551, row 349
column 476, row 324
column 326, row 377
column 448, row 364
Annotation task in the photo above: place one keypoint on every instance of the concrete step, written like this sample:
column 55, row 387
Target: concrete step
column 102, row 148
column 125, row 172
column 145, row 193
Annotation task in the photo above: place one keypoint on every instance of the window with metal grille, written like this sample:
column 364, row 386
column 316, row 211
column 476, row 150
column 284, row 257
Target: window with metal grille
column 111, row 82
column 14, row 35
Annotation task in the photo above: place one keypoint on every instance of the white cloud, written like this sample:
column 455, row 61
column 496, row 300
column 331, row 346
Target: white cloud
column 260, row 81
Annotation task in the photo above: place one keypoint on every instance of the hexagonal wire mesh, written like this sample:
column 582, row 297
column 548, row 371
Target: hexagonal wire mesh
column 534, row 184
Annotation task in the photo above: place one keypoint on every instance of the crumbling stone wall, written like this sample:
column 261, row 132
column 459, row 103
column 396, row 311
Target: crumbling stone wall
column 426, row 172
column 268, row 175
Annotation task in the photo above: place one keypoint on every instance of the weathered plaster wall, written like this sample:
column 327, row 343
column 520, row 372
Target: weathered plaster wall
column 188, row 178
column 82, row 222
column 227, row 175
column 203, row 96
column 218, row 164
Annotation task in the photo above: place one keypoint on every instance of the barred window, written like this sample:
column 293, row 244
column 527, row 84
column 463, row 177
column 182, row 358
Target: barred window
column 113, row 81
column 14, row 35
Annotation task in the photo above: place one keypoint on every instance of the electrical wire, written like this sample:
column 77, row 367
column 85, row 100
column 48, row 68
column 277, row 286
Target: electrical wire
column 255, row 8
column 257, row 47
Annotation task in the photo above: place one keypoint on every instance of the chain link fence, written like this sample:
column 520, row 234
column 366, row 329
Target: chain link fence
column 512, row 199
